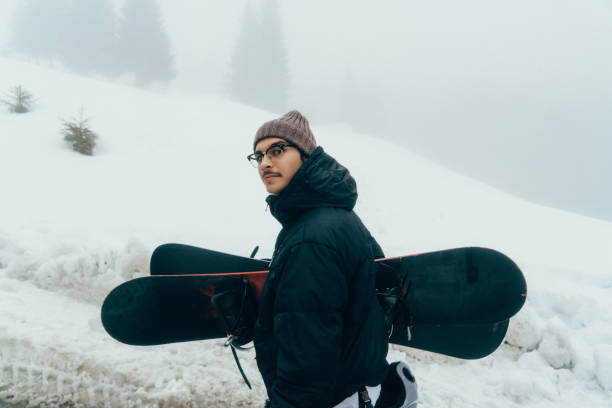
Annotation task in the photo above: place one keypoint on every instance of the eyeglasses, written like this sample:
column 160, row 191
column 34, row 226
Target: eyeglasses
column 274, row 152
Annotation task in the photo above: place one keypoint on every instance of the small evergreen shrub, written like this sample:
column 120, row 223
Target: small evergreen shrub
column 77, row 132
column 18, row 100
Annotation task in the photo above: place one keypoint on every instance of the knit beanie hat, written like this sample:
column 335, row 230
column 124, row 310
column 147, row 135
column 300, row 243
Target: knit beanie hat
column 293, row 127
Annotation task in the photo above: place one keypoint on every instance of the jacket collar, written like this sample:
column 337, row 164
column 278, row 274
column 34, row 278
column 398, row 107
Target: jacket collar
column 320, row 182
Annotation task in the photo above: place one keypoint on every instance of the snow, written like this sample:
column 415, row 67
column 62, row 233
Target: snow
column 170, row 167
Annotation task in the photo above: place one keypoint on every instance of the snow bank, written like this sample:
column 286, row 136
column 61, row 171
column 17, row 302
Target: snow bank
column 54, row 350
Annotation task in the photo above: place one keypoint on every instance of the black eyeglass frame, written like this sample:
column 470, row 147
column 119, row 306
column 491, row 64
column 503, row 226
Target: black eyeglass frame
column 257, row 157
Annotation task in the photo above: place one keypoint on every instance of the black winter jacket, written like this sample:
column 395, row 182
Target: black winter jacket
column 320, row 333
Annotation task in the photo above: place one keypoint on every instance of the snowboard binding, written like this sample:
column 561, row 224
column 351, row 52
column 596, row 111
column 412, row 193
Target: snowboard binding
column 391, row 292
column 237, row 309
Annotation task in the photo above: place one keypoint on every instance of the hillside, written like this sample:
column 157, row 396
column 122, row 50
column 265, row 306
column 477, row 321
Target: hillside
column 171, row 167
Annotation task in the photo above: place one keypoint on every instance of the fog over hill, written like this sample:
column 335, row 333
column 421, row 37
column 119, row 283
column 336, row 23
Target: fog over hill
column 515, row 93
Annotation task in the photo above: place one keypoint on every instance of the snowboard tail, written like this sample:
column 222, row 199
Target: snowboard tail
column 463, row 285
column 156, row 310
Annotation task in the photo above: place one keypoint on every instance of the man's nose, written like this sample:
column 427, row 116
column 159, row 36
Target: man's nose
column 265, row 161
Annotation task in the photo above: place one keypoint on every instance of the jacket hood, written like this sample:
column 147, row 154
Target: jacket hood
column 320, row 182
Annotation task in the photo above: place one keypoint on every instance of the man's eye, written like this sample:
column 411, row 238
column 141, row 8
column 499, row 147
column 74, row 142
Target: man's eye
column 277, row 151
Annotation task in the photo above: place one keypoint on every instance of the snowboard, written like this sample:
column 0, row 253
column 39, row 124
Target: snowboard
column 180, row 259
column 455, row 302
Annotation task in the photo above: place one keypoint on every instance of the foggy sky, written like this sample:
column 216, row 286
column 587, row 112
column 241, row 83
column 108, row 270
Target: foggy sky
column 517, row 93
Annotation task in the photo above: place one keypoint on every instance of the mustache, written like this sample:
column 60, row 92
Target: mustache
column 268, row 173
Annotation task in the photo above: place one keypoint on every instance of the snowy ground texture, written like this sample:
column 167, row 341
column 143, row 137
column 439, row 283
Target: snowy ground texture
column 172, row 168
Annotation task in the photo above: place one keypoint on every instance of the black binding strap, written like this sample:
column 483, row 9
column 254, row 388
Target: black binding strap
column 244, row 377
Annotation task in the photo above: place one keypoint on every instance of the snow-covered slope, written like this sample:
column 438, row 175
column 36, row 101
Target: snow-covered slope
column 171, row 168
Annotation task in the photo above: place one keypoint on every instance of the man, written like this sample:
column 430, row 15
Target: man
column 320, row 337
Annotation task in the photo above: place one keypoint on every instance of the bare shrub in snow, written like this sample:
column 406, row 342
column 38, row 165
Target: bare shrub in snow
column 77, row 132
column 18, row 100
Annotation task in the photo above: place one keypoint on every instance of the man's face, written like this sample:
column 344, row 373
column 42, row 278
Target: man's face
column 277, row 171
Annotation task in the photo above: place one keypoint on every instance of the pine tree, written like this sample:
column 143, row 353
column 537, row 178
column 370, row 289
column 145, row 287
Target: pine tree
column 347, row 98
column 78, row 33
column 76, row 131
column 144, row 48
column 258, row 73
column 18, row 100
column 88, row 30
column 275, row 75
column 361, row 103
column 244, row 70
column 36, row 28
